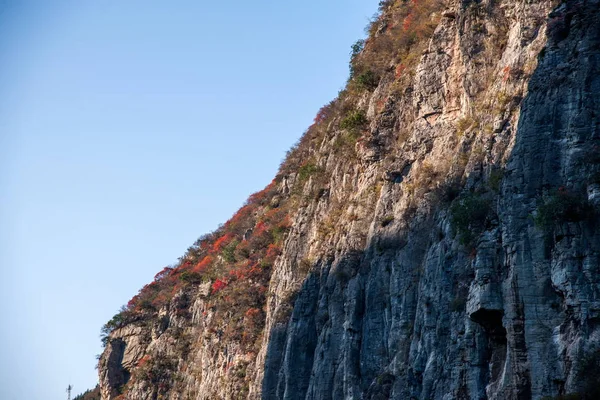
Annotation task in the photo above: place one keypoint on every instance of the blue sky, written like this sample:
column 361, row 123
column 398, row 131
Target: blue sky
column 127, row 130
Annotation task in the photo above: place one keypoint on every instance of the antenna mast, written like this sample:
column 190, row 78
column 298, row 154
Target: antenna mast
column 69, row 388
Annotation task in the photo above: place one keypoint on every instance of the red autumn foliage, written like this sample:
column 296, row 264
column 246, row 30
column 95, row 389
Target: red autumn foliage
column 259, row 197
column 143, row 361
column 323, row 113
column 260, row 228
column 131, row 303
column 166, row 271
column 203, row 264
column 243, row 277
column 160, row 300
column 285, row 223
column 242, row 215
column 221, row 242
column 408, row 22
column 380, row 105
column 218, row 285
column 238, row 273
column 273, row 251
column 254, row 269
column 252, row 312
column 505, row 73
column 399, row 70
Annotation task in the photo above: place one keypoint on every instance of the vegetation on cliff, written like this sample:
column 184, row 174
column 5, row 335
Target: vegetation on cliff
column 236, row 258
column 402, row 207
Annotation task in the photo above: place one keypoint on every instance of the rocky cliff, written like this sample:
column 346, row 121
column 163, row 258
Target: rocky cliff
column 433, row 235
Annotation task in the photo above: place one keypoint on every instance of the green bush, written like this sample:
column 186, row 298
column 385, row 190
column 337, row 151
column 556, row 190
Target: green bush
column 190, row 277
column 468, row 215
column 354, row 121
column 367, row 80
column 89, row 394
column 117, row 321
column 228, row 252
column 466, row 124
column 306, row 170
column 560, row 208
column 357, row 48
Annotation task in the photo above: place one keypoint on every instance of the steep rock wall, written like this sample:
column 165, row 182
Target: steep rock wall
column 452, row 254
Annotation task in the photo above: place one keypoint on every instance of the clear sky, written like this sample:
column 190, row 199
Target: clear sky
column 128, row 129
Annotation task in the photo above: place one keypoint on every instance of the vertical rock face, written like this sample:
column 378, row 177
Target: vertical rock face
column 444, row 236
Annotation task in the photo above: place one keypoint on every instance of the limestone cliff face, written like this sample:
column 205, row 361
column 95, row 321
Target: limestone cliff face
column 443, row 237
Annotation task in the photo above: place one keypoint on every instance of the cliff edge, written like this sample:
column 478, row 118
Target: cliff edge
column 433, row 235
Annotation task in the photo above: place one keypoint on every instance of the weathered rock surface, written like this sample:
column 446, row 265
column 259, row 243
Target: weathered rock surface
column 378, row 292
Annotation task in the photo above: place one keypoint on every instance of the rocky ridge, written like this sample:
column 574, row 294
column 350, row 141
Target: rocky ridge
column 432, row 236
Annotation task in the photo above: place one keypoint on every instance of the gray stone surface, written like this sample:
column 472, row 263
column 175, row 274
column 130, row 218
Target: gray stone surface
column 402, row 309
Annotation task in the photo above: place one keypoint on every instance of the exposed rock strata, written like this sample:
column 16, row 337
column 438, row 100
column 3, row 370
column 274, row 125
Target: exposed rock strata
column 502, row 111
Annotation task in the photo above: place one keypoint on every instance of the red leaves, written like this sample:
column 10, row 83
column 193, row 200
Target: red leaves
column 323, row 113
column 221, row 242
column 260, row 228
column 408, row 21
column 505, row 73
column 166, row 271
column 248, row 270
column 238, row 273
column 399, row 70
column 258, row 197
column 203, row 264
column 252, row 312
column 143, row 361
column 254, row 269
column 285, row 223
column 131, row 303
column 243, row 266
column 273, row 251
column 160, row 300
column 218, row 285
column 239, row 217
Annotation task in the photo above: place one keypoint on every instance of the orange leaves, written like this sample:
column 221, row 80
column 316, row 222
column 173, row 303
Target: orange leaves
column 285, row 223
column 243, row 213
column 221, row 242
column 218, row 285
column 247, row 270
column 380, row 105
column 160, row 300
column 252, row 312
column 237, row 273
column 240, row 253
column 258, row 197
column 408, row 22
column 399, row 70
column 131, row 303
column 203, row 264
column 278, row 218
column 260, row 228
column 273, row 251
column 505, row 73
column 166, row 271
column 324, row 113
column 143, row 361
column 254, row 269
